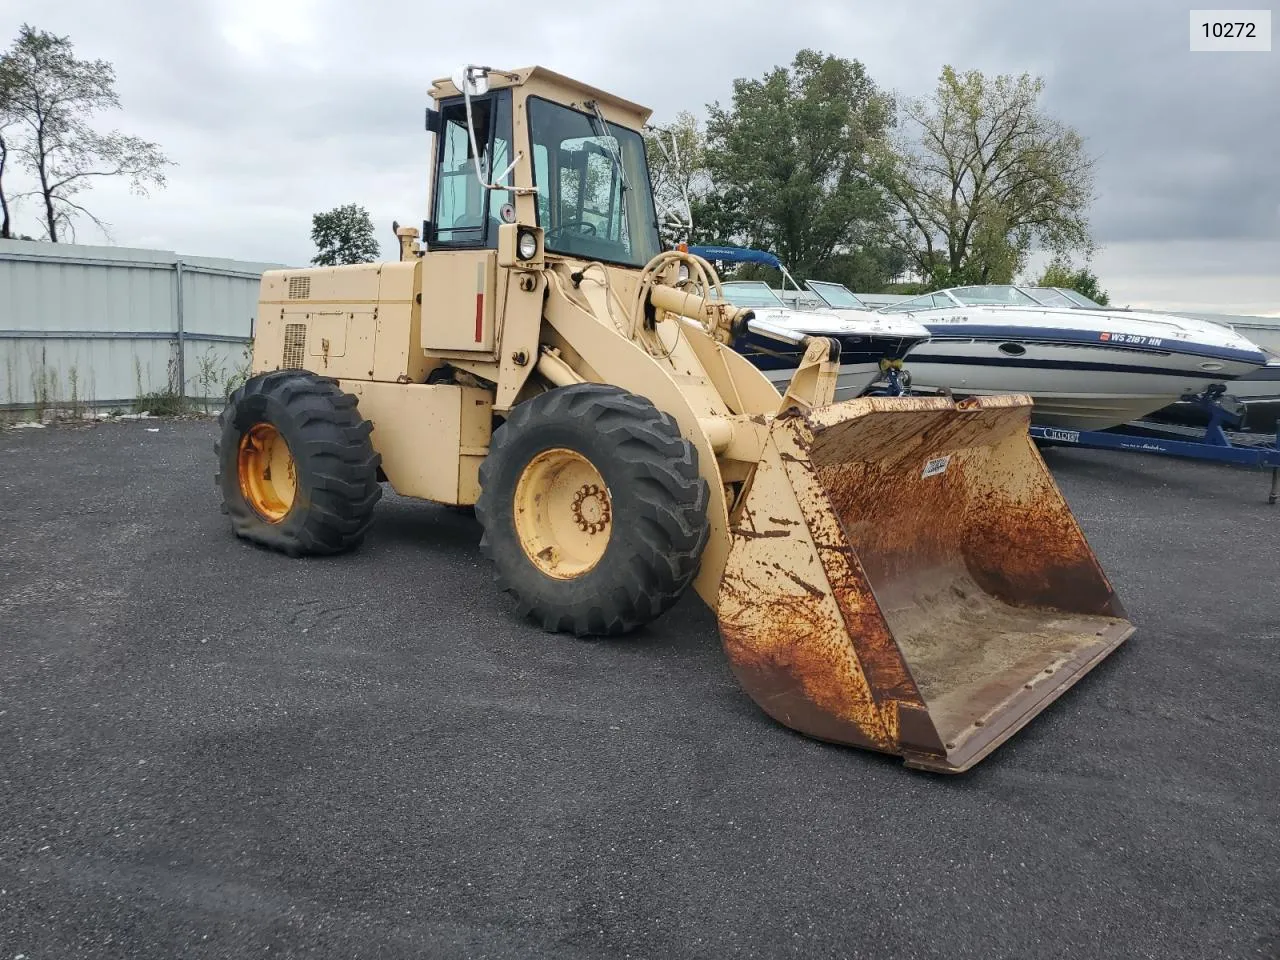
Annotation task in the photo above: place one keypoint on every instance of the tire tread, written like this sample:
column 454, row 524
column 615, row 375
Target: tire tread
column 330, row 441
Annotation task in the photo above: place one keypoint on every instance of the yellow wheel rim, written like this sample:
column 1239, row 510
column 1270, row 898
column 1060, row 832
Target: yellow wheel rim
column 563, row 513
column 268, row 479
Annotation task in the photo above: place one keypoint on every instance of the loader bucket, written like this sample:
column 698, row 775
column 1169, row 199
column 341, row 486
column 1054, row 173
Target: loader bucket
column 904, row 575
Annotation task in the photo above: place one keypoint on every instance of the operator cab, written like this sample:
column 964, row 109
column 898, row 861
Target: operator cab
column 593, row 196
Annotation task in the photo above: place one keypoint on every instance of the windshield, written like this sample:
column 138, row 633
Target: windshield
column 929, row 301
column 836, row 295
column 1049, row 296
column 1079, row 298
column 751, row 293
column 992, row 295
column 587, row 206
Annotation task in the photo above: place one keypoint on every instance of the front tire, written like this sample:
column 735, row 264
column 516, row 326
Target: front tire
column 296, row 467
column 593, row 509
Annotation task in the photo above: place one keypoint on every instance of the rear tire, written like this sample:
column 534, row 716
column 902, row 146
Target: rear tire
column 649, row 501
column 325, row 505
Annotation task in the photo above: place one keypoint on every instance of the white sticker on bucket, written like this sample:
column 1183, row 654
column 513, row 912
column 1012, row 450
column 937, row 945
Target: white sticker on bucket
column 935, row 466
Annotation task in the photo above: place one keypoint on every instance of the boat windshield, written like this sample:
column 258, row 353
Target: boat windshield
column 836, row 295
column 751, row 293
column 929, row 301
column 1079, row 299
column 1049, row 297
column 997, row 295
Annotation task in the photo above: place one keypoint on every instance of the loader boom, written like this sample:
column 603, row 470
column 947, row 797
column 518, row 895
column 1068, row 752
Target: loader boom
column 542, row 358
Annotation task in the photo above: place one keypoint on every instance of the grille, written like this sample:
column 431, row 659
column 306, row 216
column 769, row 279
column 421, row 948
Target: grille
column 299, row 288
column 295, row 345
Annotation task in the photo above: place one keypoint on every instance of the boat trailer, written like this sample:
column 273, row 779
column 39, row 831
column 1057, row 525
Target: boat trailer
column 1218, row 442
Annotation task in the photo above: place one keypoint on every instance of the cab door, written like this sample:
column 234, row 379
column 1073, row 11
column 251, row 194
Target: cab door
column 460, row 269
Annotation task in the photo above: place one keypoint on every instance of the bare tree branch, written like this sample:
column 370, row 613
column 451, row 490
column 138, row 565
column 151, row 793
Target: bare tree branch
column 55, row 96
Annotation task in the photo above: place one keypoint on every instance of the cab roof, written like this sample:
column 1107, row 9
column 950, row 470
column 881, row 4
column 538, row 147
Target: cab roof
column 543, row 77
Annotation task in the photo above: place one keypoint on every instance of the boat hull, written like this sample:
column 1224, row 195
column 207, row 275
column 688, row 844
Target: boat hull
column 1073, row 387
column 853, row 380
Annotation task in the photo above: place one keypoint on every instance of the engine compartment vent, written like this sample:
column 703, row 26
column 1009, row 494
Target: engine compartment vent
column 295, row 345
column 299, row 288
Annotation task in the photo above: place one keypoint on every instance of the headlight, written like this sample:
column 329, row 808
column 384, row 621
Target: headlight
column 683, row 274
column 526, row 245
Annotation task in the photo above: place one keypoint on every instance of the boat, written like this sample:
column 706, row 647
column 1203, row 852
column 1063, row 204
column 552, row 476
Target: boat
column 1085, row 368
column 872, row 345
column 869, row 344
column 1255, row 396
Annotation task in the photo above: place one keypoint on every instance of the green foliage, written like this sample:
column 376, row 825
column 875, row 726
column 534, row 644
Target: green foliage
column 210, row 372
column 1060, row 273
column 168, row 401
column 50, row 96
column 790, row 163
column 161, row 403
column 239, row 375
column 905, row 289
column 344, row 235
column 978, row 172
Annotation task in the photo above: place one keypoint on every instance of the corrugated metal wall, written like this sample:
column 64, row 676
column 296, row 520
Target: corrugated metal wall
column 103, row 325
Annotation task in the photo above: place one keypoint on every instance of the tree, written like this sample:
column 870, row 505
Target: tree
column 1060, row 273
column 344, row 235
column 54, row 95
column 978, row 172
column 678, row 174
column 7, row 120
column 790, row 160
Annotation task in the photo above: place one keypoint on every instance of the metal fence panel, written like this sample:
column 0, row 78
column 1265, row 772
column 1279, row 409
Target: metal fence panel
column 101, row 326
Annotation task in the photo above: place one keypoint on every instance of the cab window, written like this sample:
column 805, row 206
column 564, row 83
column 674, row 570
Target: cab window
column 594, row 197
column 466, row 215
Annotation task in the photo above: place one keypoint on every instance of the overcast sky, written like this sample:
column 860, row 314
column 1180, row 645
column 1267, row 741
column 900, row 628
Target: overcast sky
column 275, row 109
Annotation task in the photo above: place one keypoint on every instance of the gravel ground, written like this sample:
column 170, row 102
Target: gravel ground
column 208, row 750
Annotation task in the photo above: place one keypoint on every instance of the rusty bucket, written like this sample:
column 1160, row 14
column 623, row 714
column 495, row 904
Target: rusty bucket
column 904, row 575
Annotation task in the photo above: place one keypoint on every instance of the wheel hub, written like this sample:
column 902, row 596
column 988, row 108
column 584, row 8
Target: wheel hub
column 268, row 477
column 563, row 513
column 591, row 508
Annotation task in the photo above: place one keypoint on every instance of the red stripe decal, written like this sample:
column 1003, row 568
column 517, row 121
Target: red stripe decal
column 479, row 317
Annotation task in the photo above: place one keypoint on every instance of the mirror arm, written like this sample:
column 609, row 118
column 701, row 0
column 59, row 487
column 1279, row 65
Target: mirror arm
column 475, row 149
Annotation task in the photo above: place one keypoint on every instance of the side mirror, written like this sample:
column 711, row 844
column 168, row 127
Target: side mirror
column 434, row 121
column 471, row 80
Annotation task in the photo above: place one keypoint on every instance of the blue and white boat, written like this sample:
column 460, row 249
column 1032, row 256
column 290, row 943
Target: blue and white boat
column 774, row 338
column 1085, row 368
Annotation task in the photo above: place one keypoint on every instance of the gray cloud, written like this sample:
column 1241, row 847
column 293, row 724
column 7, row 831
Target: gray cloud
column 274, row 110
column 1186, row 142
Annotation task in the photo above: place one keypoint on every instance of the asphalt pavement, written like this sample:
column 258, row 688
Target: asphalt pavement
column 210, row 750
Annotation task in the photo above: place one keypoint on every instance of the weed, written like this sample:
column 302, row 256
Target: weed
column 166, row 402
column 240, row 375
column 210, row 373
column 76, row 409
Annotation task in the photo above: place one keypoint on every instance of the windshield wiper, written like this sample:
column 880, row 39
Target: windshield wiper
column 601, row 126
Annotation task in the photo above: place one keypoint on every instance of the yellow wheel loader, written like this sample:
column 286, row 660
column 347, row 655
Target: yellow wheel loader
column 898, row 574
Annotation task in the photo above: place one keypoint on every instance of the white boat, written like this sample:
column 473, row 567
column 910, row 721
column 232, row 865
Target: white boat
column 1257, row 392
column 774, row 341
column 775, row 335
column 1261, row 385
column 1085, row 368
